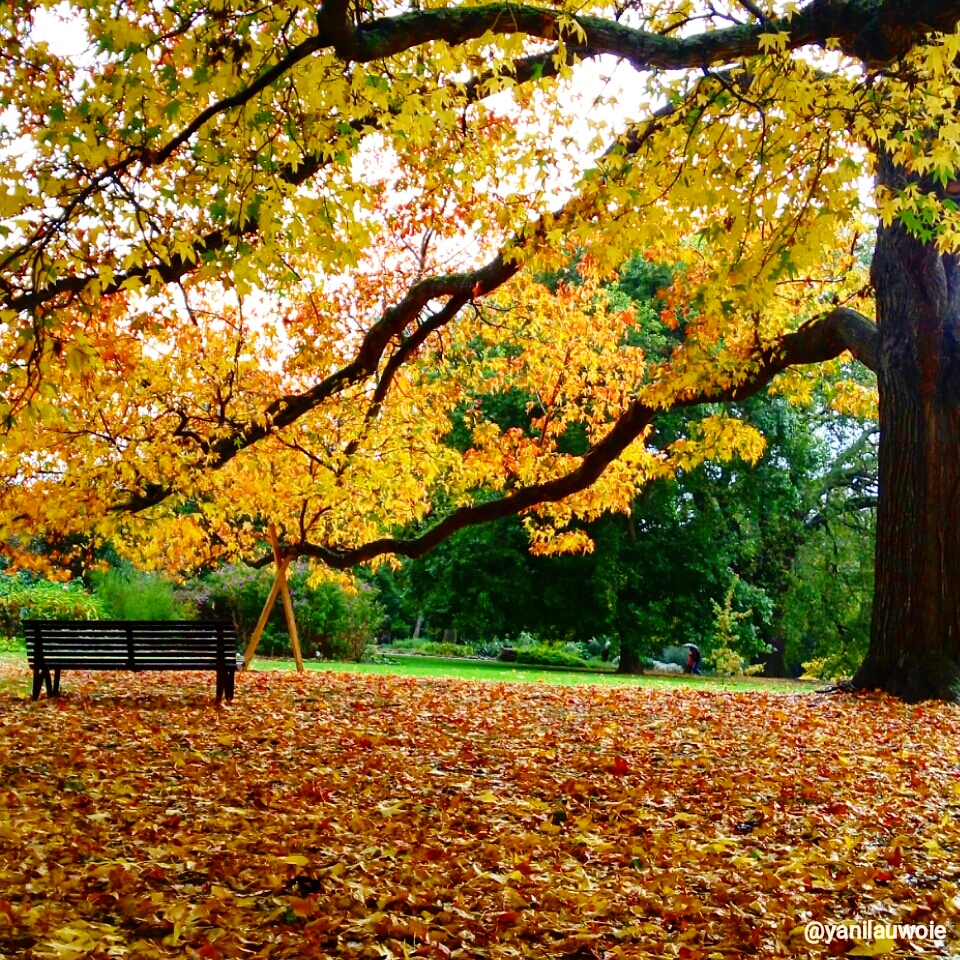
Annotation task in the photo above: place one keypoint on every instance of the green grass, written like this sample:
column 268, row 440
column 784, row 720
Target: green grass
column 414, row 666
column 12, row 647
column 409, row 665
column 12, row 651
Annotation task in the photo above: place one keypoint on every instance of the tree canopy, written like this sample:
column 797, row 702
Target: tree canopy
column 254, row 258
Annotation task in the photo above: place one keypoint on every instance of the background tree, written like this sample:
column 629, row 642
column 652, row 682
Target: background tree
column 795, row 529
column 248, row 252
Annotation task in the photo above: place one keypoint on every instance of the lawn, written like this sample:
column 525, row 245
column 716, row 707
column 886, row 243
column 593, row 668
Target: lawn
column 361, row 815
column 406, row 665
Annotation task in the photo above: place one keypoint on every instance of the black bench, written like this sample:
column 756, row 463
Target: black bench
column 54, row 645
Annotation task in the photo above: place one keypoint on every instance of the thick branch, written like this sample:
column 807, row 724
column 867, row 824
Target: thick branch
column 874, row 31
column 815, row 342
column 459, row 288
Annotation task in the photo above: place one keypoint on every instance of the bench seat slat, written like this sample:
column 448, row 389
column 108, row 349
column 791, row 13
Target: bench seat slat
column 99, row 643
column 111, row 631
column 168, row 665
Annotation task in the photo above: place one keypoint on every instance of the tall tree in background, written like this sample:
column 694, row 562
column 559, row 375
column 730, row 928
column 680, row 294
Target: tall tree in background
column 253, row 256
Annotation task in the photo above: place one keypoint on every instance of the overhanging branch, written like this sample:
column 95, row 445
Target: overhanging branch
column 817, row 341
column 216, row 241
column 876, row 32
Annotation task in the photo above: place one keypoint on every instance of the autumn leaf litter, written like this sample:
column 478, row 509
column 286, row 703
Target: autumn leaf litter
column 367, row 816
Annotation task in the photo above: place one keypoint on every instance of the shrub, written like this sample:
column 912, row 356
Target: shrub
column 430, row 648
column 42, row 600
column 548, row 657
column 406, row 643
column 727, row 662
column 321, row 615
column 445, row 649
column 674, row 654
column 526, row 639
column 729, row 639
column 129, row 594
column 331, row 621
column 488, row 650
column 360, row 619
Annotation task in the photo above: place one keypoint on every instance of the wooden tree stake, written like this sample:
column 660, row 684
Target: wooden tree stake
column 279, row 587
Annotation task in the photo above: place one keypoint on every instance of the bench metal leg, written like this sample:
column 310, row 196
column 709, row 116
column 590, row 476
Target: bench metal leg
column 56, row 682
column 231, row 676
column 220, row 685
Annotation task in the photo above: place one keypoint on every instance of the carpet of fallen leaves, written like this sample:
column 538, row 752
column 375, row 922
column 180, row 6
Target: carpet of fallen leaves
column 366, row 816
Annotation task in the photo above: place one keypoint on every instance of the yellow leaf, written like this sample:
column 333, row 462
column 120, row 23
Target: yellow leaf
column 876, row 949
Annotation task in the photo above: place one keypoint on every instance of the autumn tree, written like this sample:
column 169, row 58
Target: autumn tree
column 253, row 256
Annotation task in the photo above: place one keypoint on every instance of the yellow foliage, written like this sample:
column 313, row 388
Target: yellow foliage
column 258, row 268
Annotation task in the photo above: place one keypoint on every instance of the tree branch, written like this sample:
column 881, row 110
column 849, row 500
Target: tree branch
column 458, row 288
column 874, row 31
column 817, row 341
column 754, row 9
column 525, row 69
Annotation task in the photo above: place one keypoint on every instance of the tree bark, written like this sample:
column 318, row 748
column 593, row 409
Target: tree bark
column 915, row 632
column 630, row 662
column 774, row 664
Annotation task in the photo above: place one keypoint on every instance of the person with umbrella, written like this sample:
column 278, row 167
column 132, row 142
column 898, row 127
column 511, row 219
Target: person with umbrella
column 693, row 658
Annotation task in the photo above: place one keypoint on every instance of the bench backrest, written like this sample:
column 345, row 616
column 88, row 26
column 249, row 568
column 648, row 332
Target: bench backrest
column 130, row 644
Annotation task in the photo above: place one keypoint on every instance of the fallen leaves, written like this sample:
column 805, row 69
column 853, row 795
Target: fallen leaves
column 365, row 816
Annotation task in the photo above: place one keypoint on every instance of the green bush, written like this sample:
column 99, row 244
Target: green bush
column 735, row 638
column 405, row 643
column 548, row 657
column 41, row 600
column 129, row 594
column 434, row 648
column 331, row 621
column 674, row 654
column 446, row 649
column 360, row 619
column 488, row 650
column 526, row 640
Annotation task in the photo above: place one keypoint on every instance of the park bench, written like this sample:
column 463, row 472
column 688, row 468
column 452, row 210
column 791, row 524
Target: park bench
column 54, row 645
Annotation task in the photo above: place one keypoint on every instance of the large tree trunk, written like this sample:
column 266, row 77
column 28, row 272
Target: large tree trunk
column 630, row 662
column 915, row 634
column 774, row 664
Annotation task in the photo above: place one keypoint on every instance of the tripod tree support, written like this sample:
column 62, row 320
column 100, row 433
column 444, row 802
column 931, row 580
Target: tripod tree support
column 280, row 587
